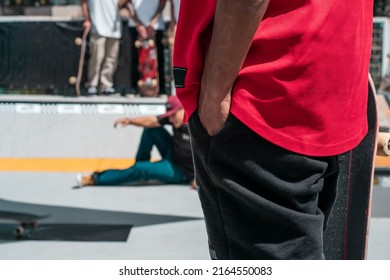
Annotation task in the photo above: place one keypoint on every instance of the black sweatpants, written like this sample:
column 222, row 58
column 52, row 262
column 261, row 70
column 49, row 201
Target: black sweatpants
column 260, row 201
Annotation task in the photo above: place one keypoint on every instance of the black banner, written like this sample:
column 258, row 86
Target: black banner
column 43, row 57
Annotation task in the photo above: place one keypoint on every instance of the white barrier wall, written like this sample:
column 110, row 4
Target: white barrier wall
column 71, row 127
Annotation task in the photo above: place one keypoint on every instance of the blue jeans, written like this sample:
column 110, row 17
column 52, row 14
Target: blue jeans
column 164, row 170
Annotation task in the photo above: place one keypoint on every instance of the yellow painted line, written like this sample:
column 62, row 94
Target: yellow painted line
column 382, row 162
column 63, row 164
column 91, row 164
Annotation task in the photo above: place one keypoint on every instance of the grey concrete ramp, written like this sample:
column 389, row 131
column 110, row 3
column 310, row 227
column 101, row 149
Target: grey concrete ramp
column 71, row 127
column 166, row 220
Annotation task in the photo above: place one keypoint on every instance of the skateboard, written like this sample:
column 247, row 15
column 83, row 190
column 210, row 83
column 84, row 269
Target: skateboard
column 168, row 42
column 147, row 67
column 27, row 222
column 83, row 43
column 346, row 234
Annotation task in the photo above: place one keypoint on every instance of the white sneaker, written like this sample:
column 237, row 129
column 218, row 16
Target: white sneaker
column 83, row 180
column 92, row 91
column 79, row 178
column 108, row 90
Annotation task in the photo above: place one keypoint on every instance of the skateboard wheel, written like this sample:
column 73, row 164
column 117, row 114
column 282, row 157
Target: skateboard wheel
column 72, row 80
column 137, row 44
column 140, row 83
column 78, row 41
column 383, row 144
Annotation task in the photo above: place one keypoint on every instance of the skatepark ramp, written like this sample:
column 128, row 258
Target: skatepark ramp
column 70, row 134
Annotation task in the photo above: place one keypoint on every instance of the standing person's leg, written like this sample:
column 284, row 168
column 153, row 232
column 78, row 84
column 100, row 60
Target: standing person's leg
column 160, row 61
column 97, row 49
column 164, row 171
column 158, row 137
column 260, row 201
column 109, row 65
column 134, row 72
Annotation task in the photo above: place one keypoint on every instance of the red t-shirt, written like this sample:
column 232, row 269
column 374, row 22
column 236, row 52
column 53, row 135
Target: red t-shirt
column 303, row 85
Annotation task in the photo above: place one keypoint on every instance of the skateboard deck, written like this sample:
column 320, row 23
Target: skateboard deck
column 385, row 82
column 82, row 42
column 346, row 234
column 168, row 43
column 26, row 222
column 147, row 67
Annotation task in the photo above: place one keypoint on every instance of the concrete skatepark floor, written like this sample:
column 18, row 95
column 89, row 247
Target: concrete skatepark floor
column 161, row 222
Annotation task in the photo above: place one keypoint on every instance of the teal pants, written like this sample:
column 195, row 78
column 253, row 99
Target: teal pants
column 164, row 170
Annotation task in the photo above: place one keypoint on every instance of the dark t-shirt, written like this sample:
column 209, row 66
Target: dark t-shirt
column 182, row 155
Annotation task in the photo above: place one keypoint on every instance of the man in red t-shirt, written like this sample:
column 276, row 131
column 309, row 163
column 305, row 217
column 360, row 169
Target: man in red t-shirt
column 274, row 92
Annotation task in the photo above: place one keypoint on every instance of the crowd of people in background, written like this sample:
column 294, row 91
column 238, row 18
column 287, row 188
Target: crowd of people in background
column 103, row 19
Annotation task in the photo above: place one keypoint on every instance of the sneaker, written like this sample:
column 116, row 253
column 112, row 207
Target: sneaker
column 92, row 91
column 108, row 91
column 84, row 180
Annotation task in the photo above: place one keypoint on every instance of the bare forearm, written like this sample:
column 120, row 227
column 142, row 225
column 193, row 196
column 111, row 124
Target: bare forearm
column 133, row 13
column 84, row 10
column 158, row 13
column 147, row 122
column 172, row 11
column 122, row 3
column 236, row 22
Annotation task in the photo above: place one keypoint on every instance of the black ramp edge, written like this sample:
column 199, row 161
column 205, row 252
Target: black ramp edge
column 74, row 232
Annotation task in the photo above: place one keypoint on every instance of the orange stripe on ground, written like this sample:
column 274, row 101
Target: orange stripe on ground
column 382, row 162
column 63, row 164
column 92, row 164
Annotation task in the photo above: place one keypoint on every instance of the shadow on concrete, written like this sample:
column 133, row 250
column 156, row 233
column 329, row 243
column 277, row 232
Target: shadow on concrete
column 72, row 224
